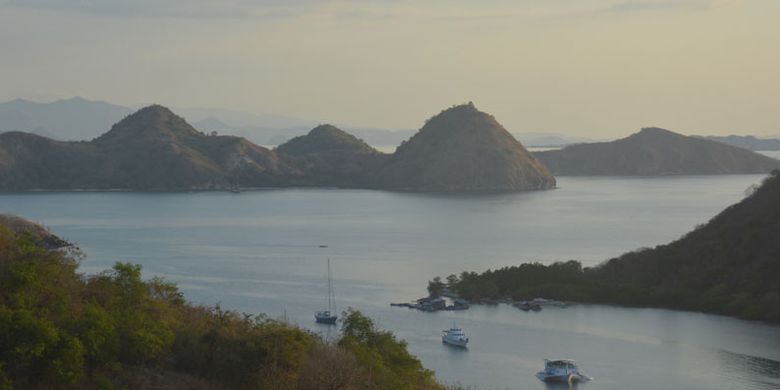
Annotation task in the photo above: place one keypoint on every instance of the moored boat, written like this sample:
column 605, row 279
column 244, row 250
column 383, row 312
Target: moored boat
column 455, row 336
column 328, row 316
column 527, row 306
column 561, row 370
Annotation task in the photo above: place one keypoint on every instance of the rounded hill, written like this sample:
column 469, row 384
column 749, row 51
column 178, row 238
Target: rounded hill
column 464, row 149
column 325, row 138
column 654, row 152
column 149, row 123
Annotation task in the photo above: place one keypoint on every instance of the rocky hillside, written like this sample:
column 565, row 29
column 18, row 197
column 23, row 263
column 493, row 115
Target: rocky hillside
column 329, row 156
column 654, row 151
column 151, row 149
column 37, row 234
column 323, row 139
column 463, row 149
column 155, row 148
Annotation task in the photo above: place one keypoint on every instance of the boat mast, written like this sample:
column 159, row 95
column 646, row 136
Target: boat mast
column 331, row 296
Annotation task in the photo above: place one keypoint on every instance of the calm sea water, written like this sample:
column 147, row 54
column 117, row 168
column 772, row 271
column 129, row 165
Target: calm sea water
column 771, row 153
column 260, row 252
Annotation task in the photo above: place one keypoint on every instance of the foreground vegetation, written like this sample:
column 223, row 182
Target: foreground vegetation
column 60, row 329
column 731, row 265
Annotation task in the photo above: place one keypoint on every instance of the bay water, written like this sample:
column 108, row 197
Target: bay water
column 265, row 252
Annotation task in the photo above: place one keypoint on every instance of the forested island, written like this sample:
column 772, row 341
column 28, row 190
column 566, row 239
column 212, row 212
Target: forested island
column 729, row 265
column 60, row 329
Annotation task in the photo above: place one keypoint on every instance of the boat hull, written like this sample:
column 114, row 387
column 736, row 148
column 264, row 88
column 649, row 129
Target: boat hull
column 570, row 378
column 455, row 343
column 326, row 320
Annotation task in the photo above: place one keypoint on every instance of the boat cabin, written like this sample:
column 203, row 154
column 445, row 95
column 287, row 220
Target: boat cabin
column 560, row 366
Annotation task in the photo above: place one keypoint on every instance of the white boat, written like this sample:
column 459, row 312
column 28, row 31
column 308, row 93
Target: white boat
column 328, row 316
column 561, row 370
column 455, row 336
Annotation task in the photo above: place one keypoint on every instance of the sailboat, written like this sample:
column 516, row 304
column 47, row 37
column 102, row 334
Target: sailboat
column 328, row 316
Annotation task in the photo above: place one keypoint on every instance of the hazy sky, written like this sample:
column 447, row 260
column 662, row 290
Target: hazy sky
column 582, row 67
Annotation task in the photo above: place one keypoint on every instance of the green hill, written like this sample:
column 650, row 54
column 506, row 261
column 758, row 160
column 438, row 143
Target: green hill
column 729, row 265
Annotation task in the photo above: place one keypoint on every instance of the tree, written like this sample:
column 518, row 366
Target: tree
column 452, row 281
column 435, row 287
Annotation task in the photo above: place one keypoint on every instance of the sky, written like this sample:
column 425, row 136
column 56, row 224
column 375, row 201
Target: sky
column 598, row 68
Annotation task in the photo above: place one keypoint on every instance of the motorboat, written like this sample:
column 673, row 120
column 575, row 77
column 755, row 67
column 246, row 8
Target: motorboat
column 562, row 371
column 455, row 336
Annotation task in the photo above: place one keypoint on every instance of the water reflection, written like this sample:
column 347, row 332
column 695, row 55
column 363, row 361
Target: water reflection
column 563, row 386
column 750, row 371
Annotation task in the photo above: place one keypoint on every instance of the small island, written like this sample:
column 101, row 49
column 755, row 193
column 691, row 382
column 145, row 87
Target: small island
column 655, row 152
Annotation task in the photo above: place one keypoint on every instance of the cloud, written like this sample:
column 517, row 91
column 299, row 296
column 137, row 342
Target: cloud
column 452, row 10
column 173, row 8
column 659, row 5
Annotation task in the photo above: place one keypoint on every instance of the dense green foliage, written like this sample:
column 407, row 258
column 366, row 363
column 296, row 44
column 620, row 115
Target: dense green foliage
column 436, row 287
column 60, row 329
column 523, row 282
column 389, row 365
column 729, row 265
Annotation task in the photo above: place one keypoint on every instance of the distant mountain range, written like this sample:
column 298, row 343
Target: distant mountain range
column 748, row 142
column 654, row 152
column 73, row 119
column 461, row 149
column 549, row 140
column 78, row 119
